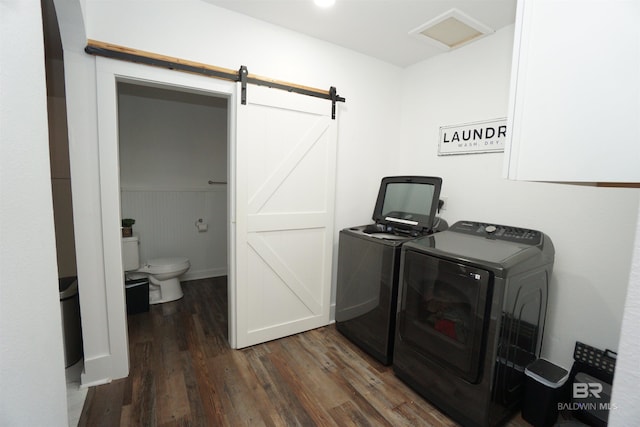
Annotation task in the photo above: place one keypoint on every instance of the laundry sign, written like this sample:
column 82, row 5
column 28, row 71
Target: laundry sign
column 479, row 137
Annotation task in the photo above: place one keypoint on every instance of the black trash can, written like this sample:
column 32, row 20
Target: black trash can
column 542, row 392
column 137, row 295
column 70, row 313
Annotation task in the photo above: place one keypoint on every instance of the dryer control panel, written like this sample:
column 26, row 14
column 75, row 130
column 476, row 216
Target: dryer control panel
column 498, row 232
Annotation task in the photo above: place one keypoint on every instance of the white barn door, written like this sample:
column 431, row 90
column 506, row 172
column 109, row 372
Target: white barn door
column 284, row 209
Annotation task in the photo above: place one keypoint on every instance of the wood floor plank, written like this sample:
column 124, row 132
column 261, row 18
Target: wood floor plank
column 348, row 414
column 171, row 393
column 374, row 388
column 308, row 382
column 89, row 402
column 285, row 401
column 126, row 416
column 356, row 374
column 413, row 414
column 309, row 373
column 105, row 405
column 183, row 373
column 207, row 390
column 259, row 396
column 239, row 408
column 196, row 408
column 144, row 400
column 172, row 399
column 374, row 384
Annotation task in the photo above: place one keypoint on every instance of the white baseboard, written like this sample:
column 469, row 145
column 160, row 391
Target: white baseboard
column 203, row 274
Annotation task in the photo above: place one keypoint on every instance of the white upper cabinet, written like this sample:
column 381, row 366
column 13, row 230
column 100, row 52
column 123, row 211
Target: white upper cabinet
column 574, row 113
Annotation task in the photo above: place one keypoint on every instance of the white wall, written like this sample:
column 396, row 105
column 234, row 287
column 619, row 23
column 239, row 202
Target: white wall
column 31, row 354
column 171, row 145
column 592, row 228
column 627, row 376
column 368, row 122
column 170, row 139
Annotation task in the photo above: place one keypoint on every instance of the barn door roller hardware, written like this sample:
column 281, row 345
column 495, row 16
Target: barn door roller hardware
column 243, row 73
column 108, row 50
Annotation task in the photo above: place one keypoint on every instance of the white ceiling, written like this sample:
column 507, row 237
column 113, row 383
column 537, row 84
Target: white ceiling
column 377, row 28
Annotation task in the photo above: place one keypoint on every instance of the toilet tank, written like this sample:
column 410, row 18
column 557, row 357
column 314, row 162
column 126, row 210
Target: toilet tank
column 130, row 254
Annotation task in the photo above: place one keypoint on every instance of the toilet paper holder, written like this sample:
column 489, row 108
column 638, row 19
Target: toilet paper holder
column 201, row 225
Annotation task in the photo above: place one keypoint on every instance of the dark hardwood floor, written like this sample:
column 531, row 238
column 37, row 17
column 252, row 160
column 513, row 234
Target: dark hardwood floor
column 184, row 373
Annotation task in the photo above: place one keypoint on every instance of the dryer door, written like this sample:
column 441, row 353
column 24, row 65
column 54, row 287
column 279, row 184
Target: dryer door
column 442, row 312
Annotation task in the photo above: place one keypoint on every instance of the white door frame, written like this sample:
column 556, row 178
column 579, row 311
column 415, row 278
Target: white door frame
column 108, row 73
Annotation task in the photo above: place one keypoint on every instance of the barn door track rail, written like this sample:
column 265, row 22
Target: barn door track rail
column 242, row 75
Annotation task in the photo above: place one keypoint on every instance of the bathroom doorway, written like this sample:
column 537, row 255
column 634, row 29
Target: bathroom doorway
column 173, row 176
column 108, row 326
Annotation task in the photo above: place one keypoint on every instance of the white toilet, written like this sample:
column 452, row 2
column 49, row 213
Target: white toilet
column 163, row 273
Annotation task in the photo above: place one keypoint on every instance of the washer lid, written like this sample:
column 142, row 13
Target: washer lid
column 408, row 202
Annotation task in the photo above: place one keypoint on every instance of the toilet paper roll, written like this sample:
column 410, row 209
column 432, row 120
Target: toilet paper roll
column 202, row 227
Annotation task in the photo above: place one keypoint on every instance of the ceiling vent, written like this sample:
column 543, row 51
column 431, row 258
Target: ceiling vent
column 451, row 30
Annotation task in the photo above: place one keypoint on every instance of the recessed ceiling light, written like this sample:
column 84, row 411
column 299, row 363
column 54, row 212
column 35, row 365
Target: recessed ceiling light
column 450, row 30
column 324, row 3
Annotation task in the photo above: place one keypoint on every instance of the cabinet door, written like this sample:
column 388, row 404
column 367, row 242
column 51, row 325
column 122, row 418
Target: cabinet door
column 575, row 98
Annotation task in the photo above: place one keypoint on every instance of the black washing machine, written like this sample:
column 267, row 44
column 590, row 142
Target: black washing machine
column 471, row 311
column 369, row 261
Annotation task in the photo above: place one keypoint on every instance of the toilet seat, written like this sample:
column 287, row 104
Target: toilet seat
column 165, row 265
